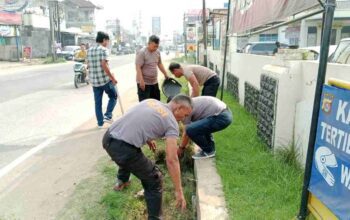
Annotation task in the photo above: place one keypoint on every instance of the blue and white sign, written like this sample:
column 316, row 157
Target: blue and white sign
column 330, row 179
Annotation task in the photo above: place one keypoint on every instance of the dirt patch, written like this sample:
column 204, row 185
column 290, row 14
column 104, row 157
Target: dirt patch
column 86, row 203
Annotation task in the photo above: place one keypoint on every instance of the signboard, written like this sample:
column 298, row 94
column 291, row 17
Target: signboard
column 191, row 34
column 7, row 31
column 217, row 35
column 27, row 52
column 87, row 28
column 249, row 14
column 10, row 18
column 330, row 178
column 194, row 15
column 191, row 48
column 13, row 5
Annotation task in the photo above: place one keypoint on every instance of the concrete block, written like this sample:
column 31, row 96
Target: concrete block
column 211, row 203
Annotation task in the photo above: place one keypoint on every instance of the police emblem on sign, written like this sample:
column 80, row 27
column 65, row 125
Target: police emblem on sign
column 327, row 103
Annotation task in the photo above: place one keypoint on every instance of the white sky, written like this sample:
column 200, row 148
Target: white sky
column 170, row 11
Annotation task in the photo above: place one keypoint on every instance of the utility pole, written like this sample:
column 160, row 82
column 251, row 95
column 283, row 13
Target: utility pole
column 58, row 22
column 205, row 42
column 226, row 47
column 52, row 30
column 185, row 35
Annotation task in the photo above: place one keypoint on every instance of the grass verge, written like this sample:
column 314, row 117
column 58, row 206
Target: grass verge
column 191, row 59
column 49, row 60
column 257, row 184
column 124, row 205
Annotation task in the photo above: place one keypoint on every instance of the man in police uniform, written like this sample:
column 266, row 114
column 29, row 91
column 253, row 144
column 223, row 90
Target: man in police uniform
column 147, row 121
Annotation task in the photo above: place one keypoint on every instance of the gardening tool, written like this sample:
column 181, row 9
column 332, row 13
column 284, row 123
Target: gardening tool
column 119, row 99
column 171, row 87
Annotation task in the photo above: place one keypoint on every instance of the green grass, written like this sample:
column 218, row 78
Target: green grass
column 257, row 184
column 49, row 60
column 124, row 205
column 190, row 59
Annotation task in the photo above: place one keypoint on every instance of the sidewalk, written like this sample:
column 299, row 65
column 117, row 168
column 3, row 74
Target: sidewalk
column 8, row 65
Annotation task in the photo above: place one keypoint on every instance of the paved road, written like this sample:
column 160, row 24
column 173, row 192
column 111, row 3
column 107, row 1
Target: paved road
column 39, row 102
column 36, row 78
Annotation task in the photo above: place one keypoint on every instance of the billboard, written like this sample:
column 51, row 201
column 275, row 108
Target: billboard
column 330, row 175
column 191, row 35
column 7, row 31
column 10, row 18
column 156, row 25
column 250, row 14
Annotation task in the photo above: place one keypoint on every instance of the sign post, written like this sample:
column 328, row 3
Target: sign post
column 27, row 52
column 326, row 35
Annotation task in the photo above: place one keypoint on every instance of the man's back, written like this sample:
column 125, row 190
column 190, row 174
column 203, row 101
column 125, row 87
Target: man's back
column 205, row 106
column 202, row 73
column 150, row 119
column 96, row 73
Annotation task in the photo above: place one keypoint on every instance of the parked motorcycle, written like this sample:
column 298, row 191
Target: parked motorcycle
column 80, row 73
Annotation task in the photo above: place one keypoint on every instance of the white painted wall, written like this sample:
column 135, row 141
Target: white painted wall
column 37, row 21
column 248, row 67
column 305, row 105
column 214, row 56
column 296, row 91
column 289, row 76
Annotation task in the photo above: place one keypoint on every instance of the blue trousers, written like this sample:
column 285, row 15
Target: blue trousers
column 201, row 131
column 98, row 95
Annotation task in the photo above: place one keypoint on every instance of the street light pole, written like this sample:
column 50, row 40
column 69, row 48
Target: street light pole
column 205, row 34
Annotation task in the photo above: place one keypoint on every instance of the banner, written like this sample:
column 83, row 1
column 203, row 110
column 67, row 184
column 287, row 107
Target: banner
column 191, row 34
column 7, row 31
column 330, row 178
column 27, row 52
column 10, row 18
column 250, row 14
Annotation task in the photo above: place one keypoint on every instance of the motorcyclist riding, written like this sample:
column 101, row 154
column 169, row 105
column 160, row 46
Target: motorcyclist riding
column 81, row 56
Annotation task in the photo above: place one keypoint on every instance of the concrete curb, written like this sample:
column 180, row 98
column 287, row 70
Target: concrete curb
column 211, row 203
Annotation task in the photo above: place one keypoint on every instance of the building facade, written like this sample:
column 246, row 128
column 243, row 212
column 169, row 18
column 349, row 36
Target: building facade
column 156, row 26
column 80, row 14
column 307, row 32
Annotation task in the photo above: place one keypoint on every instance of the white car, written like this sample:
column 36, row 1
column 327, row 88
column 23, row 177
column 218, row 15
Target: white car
column 342, row 53
column 68, row 52
column 317, row 50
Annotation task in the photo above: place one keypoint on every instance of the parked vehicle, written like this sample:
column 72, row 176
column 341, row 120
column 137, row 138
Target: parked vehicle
column 68, row 52
column 342, row 53
column 80, row 73
column 317, row 50
column 261, row 48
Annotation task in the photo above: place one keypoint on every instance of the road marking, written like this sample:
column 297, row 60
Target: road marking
column 25, row 156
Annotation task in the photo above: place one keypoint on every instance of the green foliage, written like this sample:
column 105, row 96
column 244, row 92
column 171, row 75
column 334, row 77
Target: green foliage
column 49, row 60
column 191, row 59
column 289, row 155
column 256, row 184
